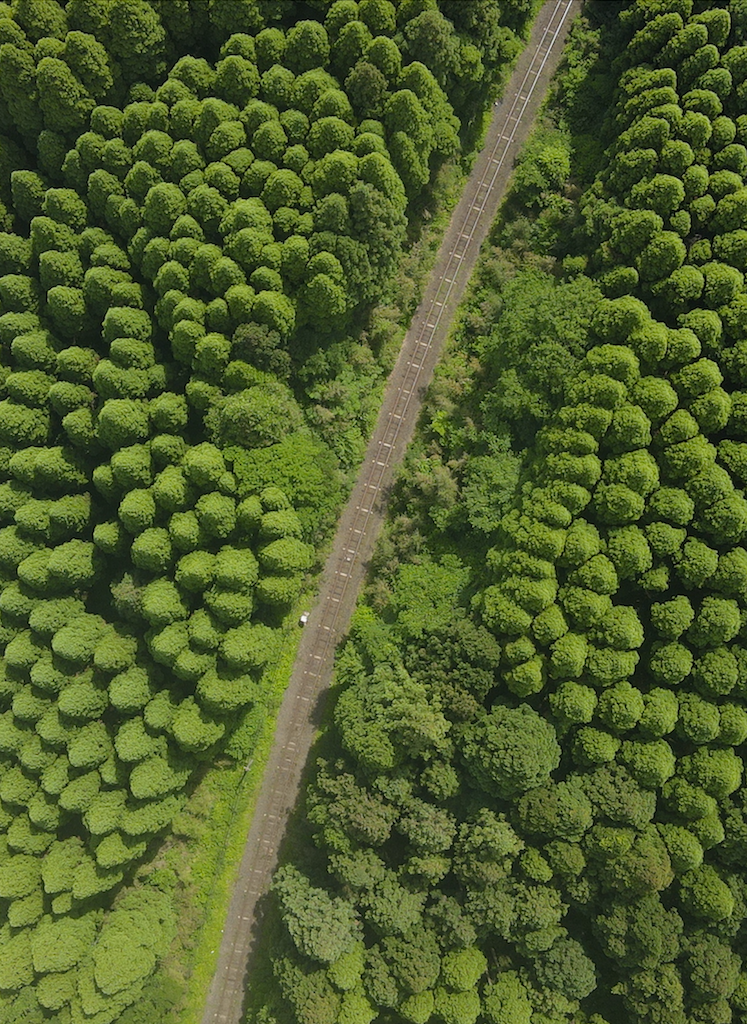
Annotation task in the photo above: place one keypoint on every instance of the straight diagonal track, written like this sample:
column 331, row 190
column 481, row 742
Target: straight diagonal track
column 362, row 516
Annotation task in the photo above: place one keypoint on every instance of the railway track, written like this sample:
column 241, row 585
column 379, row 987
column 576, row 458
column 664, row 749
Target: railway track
column 362, row 516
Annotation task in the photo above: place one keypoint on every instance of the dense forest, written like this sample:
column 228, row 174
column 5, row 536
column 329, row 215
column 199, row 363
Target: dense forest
column 530, row 806
column 201, row 203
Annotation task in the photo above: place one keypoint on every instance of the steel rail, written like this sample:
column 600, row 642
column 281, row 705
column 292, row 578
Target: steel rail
column 296, row 722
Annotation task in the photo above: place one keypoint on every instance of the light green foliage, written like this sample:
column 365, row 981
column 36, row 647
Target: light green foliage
column 79, row 793
column 345, row 973
column 131, row 467
column 184, row 530
column 670, row 663
column 573, row 703
column 167, row 644
column 698, row 718
column 137, row 510
column 130, row 690
column 716, row 622
column 195, row 570
column 90, row 747
column 716, row 672
column 248, row 647
column 122, row 422
column 171, row 491
column 463, row 969
column 732, row 724
column 507, row 1000
column 685, row 851
column 193, row 729
column 216, row 514
column 133, row 742
column 287, row 555
column 594, row 746
column 388, row 718
column 660, row 710
column 672, row 618
column 152, row 550
column 568, row 656
column 162, row 603
column 718, row 772
column 17, row 966
column 620, row 707
column 143, row 925
column 697, row 563
column 154, row 777
column 651, row 763
column 224, row 693
column 58, row 944
column 204, row 465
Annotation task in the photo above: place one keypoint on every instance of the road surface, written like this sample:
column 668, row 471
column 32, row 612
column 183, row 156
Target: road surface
column 363, row 515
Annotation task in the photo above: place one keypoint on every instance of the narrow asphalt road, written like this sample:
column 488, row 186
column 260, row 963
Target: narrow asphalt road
column 364, row 513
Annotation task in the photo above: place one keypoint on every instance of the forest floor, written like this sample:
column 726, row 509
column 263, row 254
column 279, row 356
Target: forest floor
column 361, row 520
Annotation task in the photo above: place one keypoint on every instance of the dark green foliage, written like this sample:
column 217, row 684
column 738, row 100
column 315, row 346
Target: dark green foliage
column 321, row 928
column 510, row 751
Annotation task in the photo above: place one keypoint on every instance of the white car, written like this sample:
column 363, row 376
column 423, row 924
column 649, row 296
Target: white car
column 304, row 619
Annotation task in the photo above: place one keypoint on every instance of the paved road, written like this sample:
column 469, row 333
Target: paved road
column 363, row 515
